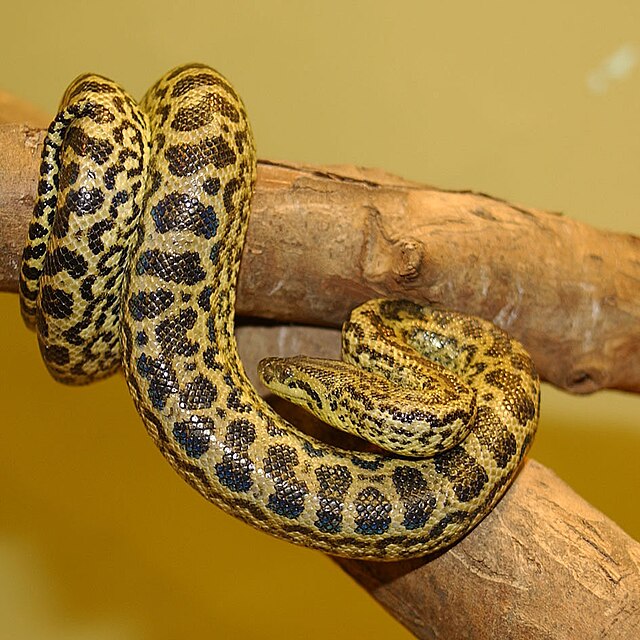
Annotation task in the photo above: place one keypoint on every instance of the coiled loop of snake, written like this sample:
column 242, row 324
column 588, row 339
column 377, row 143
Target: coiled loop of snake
column 132, row 257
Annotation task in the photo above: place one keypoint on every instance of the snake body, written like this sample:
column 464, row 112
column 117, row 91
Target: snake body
column 132, row 259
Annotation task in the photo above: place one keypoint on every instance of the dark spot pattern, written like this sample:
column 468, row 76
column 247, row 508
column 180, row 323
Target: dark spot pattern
column 189, row 159
column 236, row 469
column 279, row 464
column 86, row 288
column 467, row 477
column 516, row 399
column 55, row 302
column 413, row 489
column 194, row 435
column 122, row 197
column 334, row 482
column 171, row 333
column 204, row 298
column 230, row 189
column 369, row 464
column 112, row 260
column 314, row 452
column 492, row 434
column 182, row 212
column 44, row 206
column 68, row 175
column 65, row 259
column 84, row 201
column 91, row 86
column 209, row 357
column 214, row 254
column 193, row 81
column 181, row 268
column 451, row 518
column 234, row 399
column 95, row 233
column 242, row 140
column 501, row 346
column 200, row 393
column 373, row 510
column 84, row 145
column 57, row 354
column 523, row 363
column 396, row 309
column 161, row 377
column 211, row 186
column 28, row 273
column 201, row 113
column 150, row 304
column 80, row 202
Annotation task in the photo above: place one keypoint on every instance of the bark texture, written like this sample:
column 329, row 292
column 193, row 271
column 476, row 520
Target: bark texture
column 544, row 564
column 322, row 240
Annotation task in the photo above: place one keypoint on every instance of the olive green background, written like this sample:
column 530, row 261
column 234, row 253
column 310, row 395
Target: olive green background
column 98, row 537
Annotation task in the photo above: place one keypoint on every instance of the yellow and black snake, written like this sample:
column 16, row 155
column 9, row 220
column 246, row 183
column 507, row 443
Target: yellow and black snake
column 131, row 260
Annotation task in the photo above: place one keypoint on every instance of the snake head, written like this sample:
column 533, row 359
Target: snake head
column 296, row 379
column 274, row 371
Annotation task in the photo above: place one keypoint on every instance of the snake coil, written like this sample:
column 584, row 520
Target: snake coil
column 132, row 259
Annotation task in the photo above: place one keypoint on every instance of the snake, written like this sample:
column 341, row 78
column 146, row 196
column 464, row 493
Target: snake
column 131, row 261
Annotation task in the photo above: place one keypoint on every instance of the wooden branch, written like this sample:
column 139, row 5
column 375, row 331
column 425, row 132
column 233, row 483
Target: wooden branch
column 323, row 240
column 544, row 564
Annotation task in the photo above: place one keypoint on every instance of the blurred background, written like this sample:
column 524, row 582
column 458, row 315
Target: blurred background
column 535, row 103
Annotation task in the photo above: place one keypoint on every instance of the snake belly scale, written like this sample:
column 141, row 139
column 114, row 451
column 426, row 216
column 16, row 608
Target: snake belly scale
column 132, row 259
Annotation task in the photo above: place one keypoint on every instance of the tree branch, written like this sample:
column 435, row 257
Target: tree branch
column 544, row 564
column 322, row 240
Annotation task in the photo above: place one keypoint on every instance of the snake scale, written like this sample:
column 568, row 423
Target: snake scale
column 131, row 260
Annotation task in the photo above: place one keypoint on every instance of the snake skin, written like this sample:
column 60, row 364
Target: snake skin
column 132, row 259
